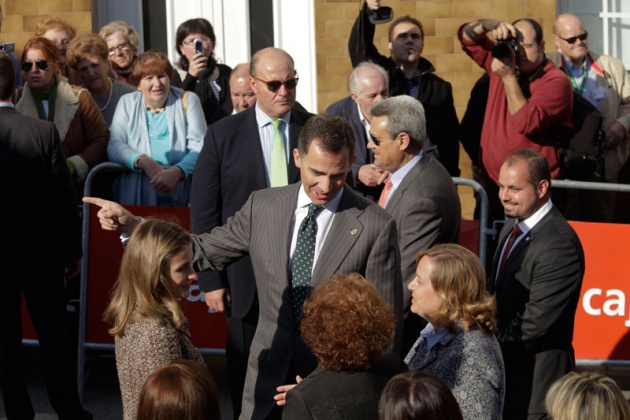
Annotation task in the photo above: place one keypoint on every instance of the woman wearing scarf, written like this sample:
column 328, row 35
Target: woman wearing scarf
column 48, row 96
column 122, row 44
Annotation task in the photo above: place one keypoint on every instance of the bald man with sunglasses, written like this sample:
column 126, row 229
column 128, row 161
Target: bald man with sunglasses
column 237, row 159
column 603, row 81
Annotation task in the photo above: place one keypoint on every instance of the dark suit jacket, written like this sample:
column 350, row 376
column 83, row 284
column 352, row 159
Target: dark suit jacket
column 229, row 168
column 347, row 109
column 362, row 238
column 537, row 296
column 427, row 211
column 329, row 395
column 33, row 170
column 435, row 94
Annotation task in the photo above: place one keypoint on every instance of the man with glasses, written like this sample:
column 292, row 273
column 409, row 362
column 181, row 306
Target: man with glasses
column 243, row 153
column 528, row 96
column 419, row 194
column 603, row 81
column 413, row 75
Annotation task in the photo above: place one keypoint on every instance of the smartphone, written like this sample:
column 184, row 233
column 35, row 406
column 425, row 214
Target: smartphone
column 198, row 45
column 8, row 47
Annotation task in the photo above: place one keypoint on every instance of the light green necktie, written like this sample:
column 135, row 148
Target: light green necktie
column 278, row 175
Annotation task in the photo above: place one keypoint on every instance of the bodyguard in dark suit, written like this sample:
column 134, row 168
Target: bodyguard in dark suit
column 353, row 235
column 39, row 245
column 419, row 193
column 232, row 165
column 537, row 276
column 368, row 86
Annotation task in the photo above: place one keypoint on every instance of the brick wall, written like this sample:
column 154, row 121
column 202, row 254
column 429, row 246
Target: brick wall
column 21, row 17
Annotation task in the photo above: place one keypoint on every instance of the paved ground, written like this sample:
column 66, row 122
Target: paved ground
column 102, row 396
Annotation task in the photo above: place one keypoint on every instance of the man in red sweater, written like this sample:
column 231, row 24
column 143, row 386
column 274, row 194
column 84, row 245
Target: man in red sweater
column 528, row 99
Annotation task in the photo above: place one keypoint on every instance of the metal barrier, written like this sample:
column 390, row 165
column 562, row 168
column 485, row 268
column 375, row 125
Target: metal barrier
column 484, row 230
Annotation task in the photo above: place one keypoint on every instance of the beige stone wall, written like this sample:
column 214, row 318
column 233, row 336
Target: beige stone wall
column 21, row 17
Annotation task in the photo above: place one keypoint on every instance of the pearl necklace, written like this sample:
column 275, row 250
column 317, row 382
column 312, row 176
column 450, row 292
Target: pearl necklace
column 111, row 90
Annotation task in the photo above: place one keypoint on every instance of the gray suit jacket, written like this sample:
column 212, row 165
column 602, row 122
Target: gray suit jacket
column 362, row 239
column 427, row 211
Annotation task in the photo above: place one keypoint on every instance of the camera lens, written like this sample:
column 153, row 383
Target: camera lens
column 504, row 50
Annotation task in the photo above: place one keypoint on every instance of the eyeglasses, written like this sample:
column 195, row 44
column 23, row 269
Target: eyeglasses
column 274, row 85
column 192, row 41
column 121, row 47
column 583, row 37
column 28, row 65
column 378, row 141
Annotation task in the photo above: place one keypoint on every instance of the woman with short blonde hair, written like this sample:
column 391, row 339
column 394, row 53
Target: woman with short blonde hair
column 586, row 396
column 458, row 345
column 122, row 44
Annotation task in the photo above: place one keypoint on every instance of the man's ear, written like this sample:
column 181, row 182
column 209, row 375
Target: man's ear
column 543, row 188
column 296, row 158
column 404, row 140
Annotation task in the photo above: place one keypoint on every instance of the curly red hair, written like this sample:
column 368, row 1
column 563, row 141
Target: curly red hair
column 346, row 323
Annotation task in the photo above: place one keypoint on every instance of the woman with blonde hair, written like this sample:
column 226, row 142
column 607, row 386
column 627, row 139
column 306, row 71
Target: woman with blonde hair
column 180, row 390
column 146, row 320
column 122, row 45
column 586, row 396
column 60, row 33
column 458, row 345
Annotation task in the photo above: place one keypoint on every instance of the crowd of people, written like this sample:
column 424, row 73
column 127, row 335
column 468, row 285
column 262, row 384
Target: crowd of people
column 329, row 241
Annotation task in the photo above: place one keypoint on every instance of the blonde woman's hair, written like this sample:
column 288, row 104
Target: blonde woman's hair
column 143, row 286
column 54, row 22
column 459, row 279
column 586, row 396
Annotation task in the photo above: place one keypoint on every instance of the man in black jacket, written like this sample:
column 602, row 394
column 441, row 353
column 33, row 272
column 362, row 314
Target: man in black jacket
column 410, row 74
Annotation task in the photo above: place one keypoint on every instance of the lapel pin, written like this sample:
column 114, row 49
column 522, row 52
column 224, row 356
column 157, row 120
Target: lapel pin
column 353, row 232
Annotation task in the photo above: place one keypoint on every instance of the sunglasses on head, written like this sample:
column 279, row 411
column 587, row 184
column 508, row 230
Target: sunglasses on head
column 582, row 37
column 28, row 65
column 274, row 85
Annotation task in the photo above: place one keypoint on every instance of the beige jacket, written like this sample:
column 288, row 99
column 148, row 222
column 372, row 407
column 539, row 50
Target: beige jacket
column 616, row 107
column 82, row 128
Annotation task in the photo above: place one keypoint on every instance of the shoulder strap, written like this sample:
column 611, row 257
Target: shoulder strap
column 185, row 103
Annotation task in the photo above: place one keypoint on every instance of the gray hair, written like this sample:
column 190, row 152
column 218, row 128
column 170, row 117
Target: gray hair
column 364, row 65
column 405, row 115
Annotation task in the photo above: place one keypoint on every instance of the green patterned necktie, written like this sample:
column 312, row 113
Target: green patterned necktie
column 302, row 263
column 278, row 176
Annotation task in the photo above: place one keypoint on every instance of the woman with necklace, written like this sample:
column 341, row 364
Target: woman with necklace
column 48, row 96
column 157, row 133
column 87, row 54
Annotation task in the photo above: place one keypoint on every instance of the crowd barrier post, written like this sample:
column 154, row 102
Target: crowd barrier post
column 484, row 230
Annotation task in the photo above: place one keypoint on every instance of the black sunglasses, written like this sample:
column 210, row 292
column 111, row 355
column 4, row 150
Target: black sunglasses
column 28, row 65
column 274, row 85
column 378, row 141
column 582, row 37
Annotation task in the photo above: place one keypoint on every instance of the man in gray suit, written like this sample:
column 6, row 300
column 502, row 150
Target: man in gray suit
column 353, row 235
column 419, row 193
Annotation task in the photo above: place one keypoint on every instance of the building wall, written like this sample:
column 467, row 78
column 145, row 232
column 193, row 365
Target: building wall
column 440, row 18
column 20, row 17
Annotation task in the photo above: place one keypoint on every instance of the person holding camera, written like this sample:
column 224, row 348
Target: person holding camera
column 199, row 70
column 527, row 99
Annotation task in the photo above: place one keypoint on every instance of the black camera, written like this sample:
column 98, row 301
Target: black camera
column 505, row 49
column 8, row 47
